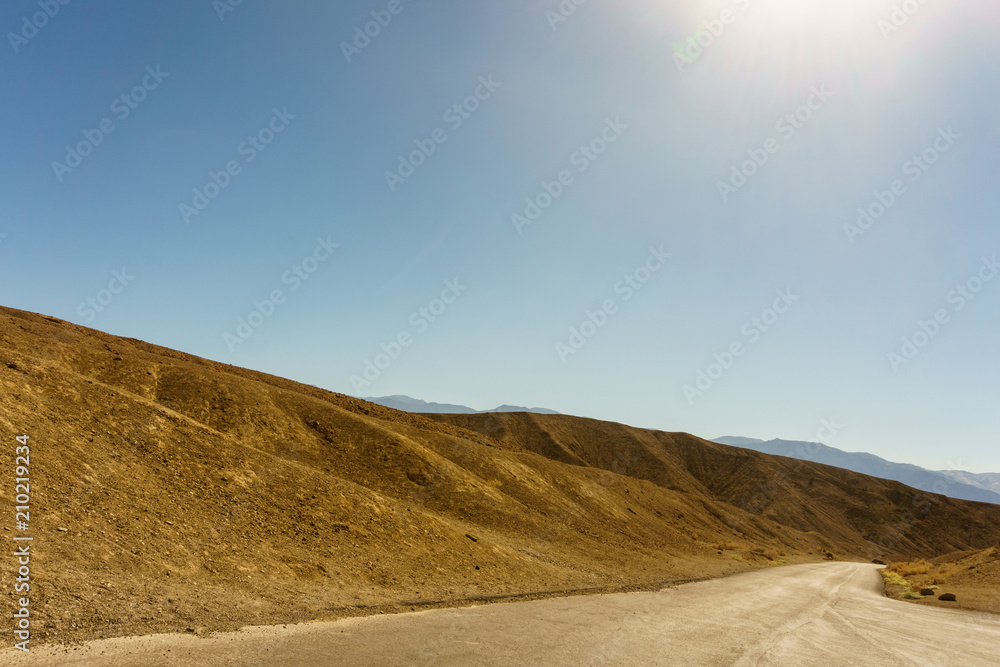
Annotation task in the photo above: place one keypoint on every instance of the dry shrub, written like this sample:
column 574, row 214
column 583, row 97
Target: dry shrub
column 725, row 546
column 893, row 578
column 908, row 569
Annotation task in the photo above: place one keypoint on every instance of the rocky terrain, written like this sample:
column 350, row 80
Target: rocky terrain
column 174, row 493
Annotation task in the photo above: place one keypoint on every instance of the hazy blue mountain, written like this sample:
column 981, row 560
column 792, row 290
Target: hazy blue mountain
column 736, row 441
column 517, row 408
column 410, row 404
column 956, row 484
column 986, row 480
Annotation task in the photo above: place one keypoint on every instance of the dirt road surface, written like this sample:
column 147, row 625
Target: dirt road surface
column 817, row 614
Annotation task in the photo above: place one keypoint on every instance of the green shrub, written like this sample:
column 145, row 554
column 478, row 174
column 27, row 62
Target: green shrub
column 894, row 578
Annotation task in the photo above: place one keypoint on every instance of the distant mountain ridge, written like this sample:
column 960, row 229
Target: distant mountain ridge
column 953, row 483
column 410, row 404
column 986, row 480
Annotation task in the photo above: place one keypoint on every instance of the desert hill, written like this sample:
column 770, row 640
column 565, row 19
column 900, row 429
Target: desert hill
column 173, row 492
column 857, row 511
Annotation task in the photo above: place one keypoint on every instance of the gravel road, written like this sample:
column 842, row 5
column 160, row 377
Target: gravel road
column 817, row 614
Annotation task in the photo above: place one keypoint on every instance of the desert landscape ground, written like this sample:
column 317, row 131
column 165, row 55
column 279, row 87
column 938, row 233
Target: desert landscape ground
column 820, row 614
column 973, row 577
column 173, row 494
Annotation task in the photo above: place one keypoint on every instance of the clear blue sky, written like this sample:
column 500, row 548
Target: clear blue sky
column 662, row 122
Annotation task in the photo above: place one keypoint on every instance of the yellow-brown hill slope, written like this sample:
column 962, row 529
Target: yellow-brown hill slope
column 858, row 513
column 170, row 492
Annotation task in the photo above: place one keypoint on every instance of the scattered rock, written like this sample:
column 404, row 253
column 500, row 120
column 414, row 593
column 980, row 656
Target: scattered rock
column 926, row 591
column 418, row 477
column 878, row 561
column 473, row 539
column 12, row 366
column 63, row 530
column 948, row 597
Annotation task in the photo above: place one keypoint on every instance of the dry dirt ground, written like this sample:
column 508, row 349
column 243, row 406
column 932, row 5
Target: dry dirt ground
column 171, row 493
column 821, row 614
column 973, row 577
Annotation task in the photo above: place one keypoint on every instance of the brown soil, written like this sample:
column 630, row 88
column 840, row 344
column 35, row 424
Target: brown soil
column 972, row 576
column 171, row 492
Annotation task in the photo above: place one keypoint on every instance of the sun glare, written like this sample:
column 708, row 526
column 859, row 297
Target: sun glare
column 768, row 25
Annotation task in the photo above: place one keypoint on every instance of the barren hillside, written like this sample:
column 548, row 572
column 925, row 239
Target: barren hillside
column 171, row 492
column 864, row 514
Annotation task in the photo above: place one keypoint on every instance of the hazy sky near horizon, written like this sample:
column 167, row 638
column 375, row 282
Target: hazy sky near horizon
column 596, row 213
